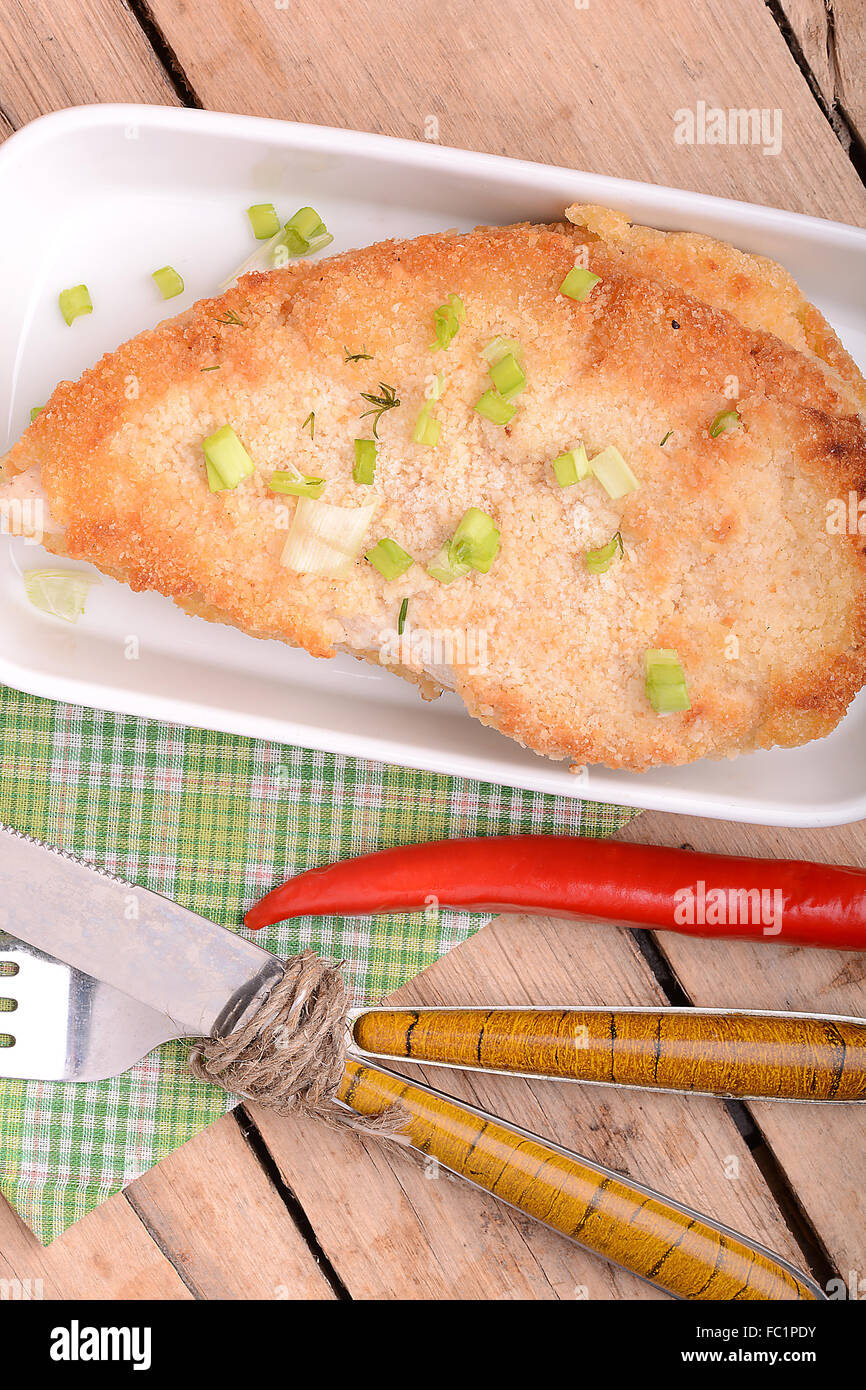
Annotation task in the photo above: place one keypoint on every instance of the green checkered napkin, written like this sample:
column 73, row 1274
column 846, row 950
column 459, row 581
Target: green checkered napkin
column 213, row 821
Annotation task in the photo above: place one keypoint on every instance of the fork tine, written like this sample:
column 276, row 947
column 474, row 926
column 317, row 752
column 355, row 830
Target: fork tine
column 66, row 1026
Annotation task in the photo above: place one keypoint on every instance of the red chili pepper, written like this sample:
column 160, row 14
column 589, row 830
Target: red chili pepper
column 786, row 900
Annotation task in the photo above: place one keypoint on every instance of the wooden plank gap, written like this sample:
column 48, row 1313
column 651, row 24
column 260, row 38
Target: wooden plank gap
column 828, row 100
column 259, row 1148
column 130, row 1198
column 171, row 64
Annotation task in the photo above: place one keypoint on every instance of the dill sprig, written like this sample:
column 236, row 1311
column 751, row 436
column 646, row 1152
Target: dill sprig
column 362, row 356
column 232, row 317
column 311, row 421
column 387, row 400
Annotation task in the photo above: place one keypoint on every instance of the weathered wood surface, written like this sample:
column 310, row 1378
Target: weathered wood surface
column 597, row 88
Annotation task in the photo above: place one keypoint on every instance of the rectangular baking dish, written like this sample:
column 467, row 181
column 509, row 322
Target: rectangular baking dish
column 136, row 187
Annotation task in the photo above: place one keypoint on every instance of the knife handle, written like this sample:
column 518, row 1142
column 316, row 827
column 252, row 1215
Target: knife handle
column 716, row 1052
column 676, row 1249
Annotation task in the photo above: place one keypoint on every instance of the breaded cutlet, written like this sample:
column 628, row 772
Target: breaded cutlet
column 727, row 555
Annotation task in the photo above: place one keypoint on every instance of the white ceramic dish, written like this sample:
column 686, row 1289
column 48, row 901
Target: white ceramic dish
column 104, row 194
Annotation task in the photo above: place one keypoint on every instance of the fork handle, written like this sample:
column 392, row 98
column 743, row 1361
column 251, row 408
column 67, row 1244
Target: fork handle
column 673, row 1247
column 761, row 1055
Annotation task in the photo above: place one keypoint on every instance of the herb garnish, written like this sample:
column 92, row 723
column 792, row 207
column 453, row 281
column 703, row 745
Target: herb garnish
column 311, row 421
column 362, row 356
column 386, row 401
column 665, row 440
column 232, row 317
column 401, row 621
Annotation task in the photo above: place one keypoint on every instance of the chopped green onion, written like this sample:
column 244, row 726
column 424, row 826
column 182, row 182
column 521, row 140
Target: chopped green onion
column 579, row 283
column 170, row 284
column 498, row 347
column 446, row 322
column 325, row 539
column 572, row 467
column 364, row 470
column 664, row 441
column 62, row 593
column 724, row 421
column 227, row 460
column 600, row 561
column 493, row 407
column 389, row 558
column 401, row 620
column 264, row 220
column 311, row 421
column 34, row 411
column 427, row 430
column 613, row 472
column 289, row 242
column 446, row 567
column 296, row 485
column 305, row 233
column 665, row 683
column 437, row 388
column 476, row 540
column 474, row 546
column 507, row 376
column 75, row 302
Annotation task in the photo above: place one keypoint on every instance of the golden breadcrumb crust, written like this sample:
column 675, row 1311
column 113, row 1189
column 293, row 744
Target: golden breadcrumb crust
column 728, row 555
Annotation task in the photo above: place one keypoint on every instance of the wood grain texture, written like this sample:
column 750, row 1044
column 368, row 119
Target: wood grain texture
column 593, row 88
column 832, row 37
column 389, row 1229
column 56, row 53
column 213, row 1207
column 821, row 1150
column 107, row 1255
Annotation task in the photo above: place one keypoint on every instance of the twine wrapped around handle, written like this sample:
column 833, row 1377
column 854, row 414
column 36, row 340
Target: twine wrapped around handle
column 290, row 1053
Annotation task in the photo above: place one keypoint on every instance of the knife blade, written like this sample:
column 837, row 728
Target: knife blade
column 202, row 976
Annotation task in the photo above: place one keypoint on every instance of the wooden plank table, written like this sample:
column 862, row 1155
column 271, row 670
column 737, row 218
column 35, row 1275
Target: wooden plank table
column 260, row 1207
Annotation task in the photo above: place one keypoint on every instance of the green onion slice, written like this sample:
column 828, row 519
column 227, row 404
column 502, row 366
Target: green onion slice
column 62, row 593
column 303, row 235
column 227, row 460
column 572, row 467
column 600, row 561
column 724, row 421
column 498, row 347
column 34, row 411
column 296, row 485
column 446, row 322
column 325, row 539
column 389, row 558
column 507, row 376
column 364, row 470
column 169, row 283
column 75, row 302
column 613, row 472
column 579, row 283
column 264, row 221
column 493, row 407
column 665, row 683
column 474, row 546
column 427, row 430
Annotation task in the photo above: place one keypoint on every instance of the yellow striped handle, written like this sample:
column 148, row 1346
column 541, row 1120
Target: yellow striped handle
column 780, row 1056
column 681, row 1252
